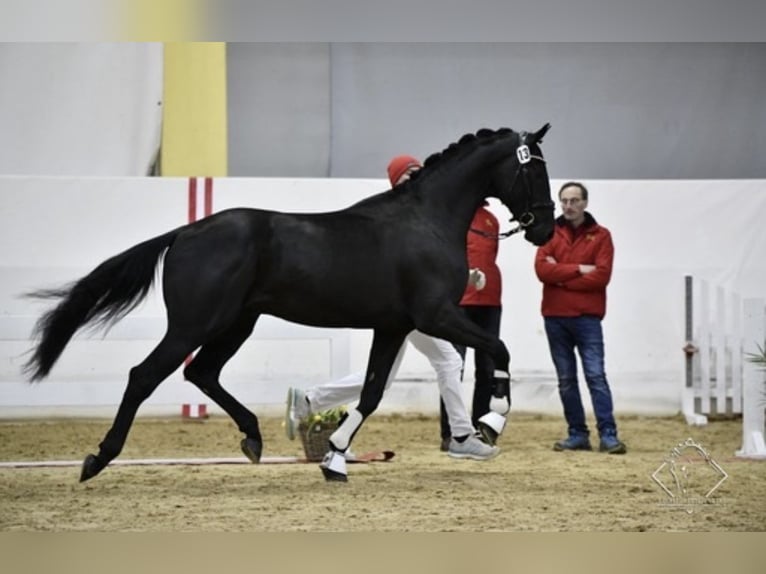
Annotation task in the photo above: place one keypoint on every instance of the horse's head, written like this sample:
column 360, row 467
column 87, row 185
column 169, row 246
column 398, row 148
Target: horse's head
column 521, row 183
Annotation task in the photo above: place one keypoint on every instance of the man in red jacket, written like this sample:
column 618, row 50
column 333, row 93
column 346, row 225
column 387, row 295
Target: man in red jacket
column 575, row 267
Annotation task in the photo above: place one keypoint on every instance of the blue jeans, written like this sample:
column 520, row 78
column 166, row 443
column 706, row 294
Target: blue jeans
column 565, row 334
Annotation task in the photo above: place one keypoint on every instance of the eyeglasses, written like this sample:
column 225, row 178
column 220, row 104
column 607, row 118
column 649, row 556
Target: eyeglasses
column 573, row 201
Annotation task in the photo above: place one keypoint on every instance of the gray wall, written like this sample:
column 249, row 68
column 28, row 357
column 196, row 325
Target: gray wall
column 279, row 109
column 618, row 110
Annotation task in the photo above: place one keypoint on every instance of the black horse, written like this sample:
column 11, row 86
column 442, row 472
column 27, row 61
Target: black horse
column 393, row 262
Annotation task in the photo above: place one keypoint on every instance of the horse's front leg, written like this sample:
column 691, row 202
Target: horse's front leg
column 383, row 354
column 451, row 324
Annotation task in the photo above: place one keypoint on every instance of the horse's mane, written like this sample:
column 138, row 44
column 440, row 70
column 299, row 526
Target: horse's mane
column 466, row 143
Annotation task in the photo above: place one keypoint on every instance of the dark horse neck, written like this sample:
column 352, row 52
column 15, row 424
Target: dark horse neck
column 456, row 182
column 451, row 186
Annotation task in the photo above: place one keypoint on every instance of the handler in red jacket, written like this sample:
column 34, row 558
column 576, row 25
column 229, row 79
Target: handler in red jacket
column 575, row 267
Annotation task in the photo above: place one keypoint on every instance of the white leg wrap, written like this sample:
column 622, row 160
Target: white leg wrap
column 341, row 438
column 498, row 408
column 499, row 405
column 335, row 462
column 494, row 420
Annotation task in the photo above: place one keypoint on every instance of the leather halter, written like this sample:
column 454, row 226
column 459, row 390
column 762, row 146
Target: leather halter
column 527, row 218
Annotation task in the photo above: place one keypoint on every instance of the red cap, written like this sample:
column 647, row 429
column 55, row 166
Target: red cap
column 399, row 165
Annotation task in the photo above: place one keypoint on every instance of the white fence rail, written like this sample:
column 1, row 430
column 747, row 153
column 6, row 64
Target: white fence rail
column 713, row 353
column 722, row 332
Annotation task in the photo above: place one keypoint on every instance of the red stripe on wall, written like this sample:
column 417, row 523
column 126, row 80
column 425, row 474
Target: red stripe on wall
column 192, row 199
column 208, row 196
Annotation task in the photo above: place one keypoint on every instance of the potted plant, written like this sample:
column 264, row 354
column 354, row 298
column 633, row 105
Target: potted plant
column 315, row 430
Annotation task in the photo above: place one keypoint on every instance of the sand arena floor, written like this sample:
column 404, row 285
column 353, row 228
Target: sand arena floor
column 529, row 487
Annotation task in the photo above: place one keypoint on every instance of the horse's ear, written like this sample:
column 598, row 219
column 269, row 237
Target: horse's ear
column 538, row 135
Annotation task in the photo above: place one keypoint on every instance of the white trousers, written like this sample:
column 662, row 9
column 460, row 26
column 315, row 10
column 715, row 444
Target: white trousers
column 443, row 357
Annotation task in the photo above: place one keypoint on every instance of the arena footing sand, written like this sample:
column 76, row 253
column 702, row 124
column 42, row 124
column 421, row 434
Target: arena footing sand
column 529, row 487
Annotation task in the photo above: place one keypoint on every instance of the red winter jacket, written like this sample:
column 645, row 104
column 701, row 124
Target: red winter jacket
column 566, row 292
column 482, row 253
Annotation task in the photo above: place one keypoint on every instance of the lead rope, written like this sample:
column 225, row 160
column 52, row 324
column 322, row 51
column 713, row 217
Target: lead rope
column 497, row 236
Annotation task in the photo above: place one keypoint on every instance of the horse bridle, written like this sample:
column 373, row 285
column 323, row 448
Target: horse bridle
column 527, row 218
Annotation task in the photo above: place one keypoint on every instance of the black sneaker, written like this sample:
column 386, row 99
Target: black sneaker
column 444, row 446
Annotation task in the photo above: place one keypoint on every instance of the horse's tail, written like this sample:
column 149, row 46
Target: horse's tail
column 101, row 298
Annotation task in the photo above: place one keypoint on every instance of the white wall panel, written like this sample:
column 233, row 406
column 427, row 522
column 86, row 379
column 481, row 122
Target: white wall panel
column 55, row 230
column 82, row 109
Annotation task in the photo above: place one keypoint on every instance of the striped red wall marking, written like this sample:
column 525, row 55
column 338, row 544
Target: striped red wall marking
column 200, row 206
column 190, row 411
column 192, row 199
column 208, row 196
column 194, row 208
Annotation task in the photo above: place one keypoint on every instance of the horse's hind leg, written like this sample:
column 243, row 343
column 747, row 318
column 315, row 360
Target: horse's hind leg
column 166, row 357
column 385, row 348
column 204, row 372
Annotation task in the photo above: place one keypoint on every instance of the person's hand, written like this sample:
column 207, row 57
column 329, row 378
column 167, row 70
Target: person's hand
column 477, row 278
column 585, row 269
column 550, row 259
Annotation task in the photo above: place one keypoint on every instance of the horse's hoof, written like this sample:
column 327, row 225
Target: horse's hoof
column 333, row 476
column 333, row 467
column 488, row 434
column 252, row 449
column 91, row 466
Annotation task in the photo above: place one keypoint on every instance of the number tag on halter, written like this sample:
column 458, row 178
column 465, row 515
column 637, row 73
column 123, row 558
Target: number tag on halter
column 522, row 152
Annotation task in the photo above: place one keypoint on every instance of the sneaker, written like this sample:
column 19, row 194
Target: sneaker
column 297, row 407
column 472, row 447
column 573, row 442
column 444, row 446
column 612, row 445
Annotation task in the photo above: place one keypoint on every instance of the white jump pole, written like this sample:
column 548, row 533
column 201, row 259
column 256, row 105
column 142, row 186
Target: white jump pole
column 753, row 381
column 687, row 392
